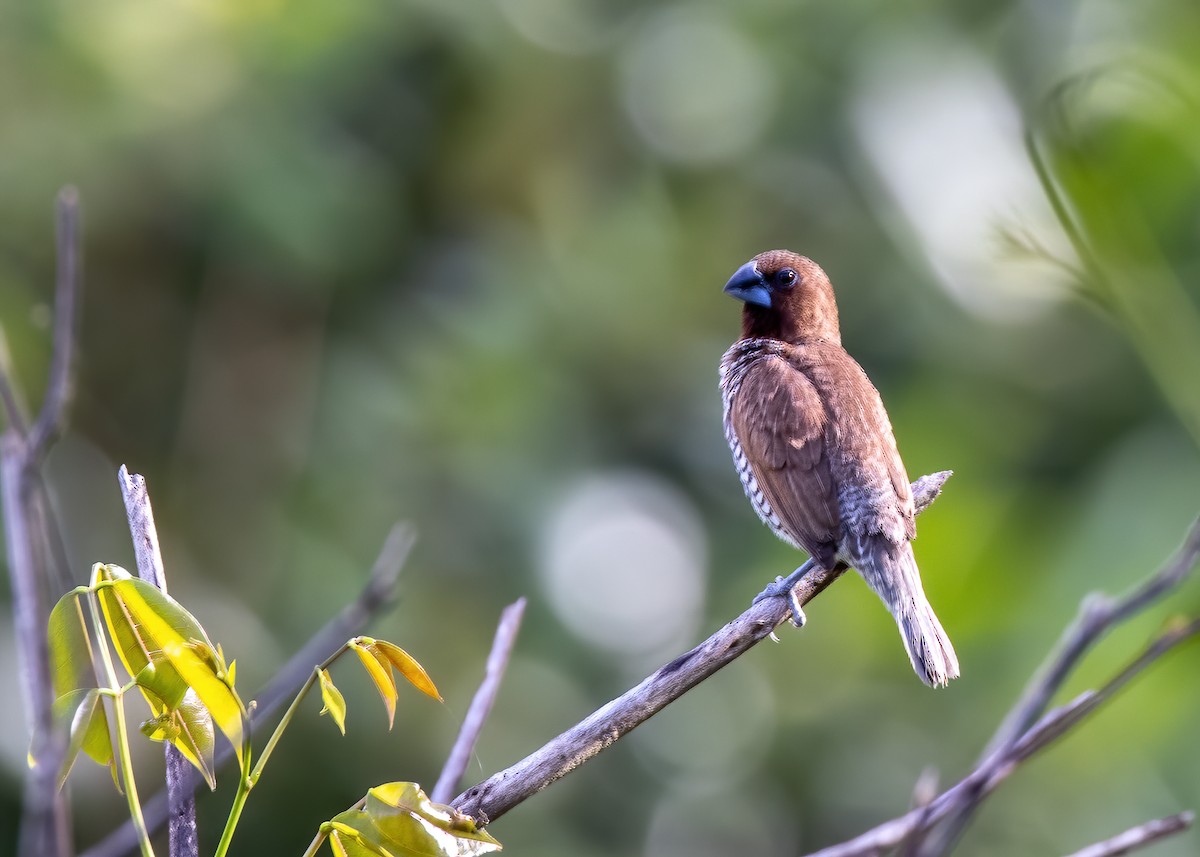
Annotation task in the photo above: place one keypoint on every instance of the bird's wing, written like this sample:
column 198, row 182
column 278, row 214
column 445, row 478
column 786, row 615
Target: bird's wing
column 780, row 422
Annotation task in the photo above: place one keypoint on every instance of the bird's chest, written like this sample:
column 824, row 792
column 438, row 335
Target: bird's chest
column 733, row 370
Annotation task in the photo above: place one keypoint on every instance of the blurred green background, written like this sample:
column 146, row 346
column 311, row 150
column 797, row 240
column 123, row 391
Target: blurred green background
column 459, row 262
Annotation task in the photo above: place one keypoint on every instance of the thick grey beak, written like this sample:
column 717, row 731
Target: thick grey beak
column 747, row 285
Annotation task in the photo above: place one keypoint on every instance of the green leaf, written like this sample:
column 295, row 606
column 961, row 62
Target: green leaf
column 335, row 703
column 71, row 664
column 405, row 663
column 140, row 657
column 190, row 728
column 400, row 821
column 353, row 834
column 336, row 846
column 380, row 671
column 389, row 802
column 167, row 652
column 80, row 713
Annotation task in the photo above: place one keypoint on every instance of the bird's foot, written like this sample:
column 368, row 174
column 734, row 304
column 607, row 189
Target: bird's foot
column 784, row 587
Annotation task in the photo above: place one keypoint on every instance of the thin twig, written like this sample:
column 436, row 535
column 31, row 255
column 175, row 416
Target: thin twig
column 10, row 392
column 379, row 592
column 481, row 704
column 181, row 802
column 52, row 418
column 1097, row 615
column 997, row 766
column 985, row 780
column 501, row 792
column 1139, row 837
column 40, row 510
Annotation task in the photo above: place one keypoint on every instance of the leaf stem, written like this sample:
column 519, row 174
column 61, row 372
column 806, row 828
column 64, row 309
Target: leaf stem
column 247, row 782
column 318, row 841
column 126, row 760
column 235, row 815
column 291, row 711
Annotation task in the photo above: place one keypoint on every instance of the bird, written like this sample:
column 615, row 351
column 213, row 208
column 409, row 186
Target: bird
column 814, row 448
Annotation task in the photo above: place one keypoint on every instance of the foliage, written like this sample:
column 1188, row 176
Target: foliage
column 189, row 687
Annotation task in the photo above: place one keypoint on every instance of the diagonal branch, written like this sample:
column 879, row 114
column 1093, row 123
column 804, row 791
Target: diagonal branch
column 1097, row 615
column 983, row 781
column 481, row 704
column 1033, row 737
column 503, row 791
column 1139, row 837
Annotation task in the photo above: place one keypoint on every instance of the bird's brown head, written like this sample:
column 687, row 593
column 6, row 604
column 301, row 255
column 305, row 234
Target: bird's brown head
column 787, row 297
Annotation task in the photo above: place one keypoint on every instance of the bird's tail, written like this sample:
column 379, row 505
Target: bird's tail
column 891, row 570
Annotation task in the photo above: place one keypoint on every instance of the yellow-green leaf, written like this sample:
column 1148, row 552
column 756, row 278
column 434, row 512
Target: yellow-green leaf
column 70, row 645
column 81, row 715
column 400, row 821
column 352, row 834
column 335, row 844
column 140, row 656
column 190, row 728
column 407, row 665
column 335, row 703
column 380, row 671
column 409, row 820
column 167, row 651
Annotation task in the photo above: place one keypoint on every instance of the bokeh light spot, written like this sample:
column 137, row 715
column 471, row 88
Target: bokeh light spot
column 695, row 89
column 944, row 134
column 624, row 564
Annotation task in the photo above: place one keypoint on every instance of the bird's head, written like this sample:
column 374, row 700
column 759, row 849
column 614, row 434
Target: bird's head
column 787, row 297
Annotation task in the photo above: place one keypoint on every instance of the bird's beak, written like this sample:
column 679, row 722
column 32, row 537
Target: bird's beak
column 747, row 285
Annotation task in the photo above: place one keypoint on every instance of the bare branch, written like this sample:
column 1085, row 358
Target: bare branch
column 379, row 592
column 182, row 837
column 1097, row 614
column 1139, row 837
column 481, row 704
column 53, row 416
column 955, row 805
column 503, row 791
column 142, row 528
column 31, row 538
column 44, row 820
column 997, row 768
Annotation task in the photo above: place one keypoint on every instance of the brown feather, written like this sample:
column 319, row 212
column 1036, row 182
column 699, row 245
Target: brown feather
column 781, row 423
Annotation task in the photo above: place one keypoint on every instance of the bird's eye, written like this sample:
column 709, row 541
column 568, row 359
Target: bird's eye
column 786, row 278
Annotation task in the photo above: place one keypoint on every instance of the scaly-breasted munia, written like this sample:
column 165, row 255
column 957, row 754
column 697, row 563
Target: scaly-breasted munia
column 814, row 448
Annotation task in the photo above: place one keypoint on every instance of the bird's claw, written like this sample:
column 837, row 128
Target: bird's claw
column 783, row 587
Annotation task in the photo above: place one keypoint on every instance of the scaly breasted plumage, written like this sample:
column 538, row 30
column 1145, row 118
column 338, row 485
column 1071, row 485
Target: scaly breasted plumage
column 814, row 448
